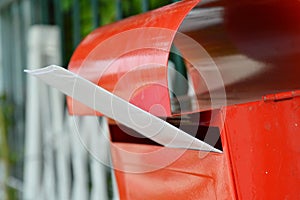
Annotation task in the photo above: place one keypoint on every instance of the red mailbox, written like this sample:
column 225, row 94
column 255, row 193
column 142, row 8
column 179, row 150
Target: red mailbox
column 255, row 111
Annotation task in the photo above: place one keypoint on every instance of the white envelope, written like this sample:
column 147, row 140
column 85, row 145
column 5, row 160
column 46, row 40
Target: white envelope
column 118, row 109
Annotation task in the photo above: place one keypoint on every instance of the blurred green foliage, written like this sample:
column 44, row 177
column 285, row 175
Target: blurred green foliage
column 108, row 11
column 6, row 112
column 7, row 157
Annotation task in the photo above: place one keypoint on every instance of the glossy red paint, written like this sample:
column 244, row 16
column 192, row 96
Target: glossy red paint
column 260, row 159
column 125, row 56
column 263, row 140
column 252, row 45
column 194, row 175
column 272, row 25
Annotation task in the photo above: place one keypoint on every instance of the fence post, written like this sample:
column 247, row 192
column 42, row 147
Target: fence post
column 40, row 53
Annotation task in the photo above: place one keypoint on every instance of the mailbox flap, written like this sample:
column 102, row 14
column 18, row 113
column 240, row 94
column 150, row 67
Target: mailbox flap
column 129, row 58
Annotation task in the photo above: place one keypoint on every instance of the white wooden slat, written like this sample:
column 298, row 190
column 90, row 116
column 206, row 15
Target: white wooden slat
column 79, row 161
column 101, row 155
column 114, row 186
column 41, row 126
column 33, row 148
column 61, row 138
column 104, row 126
column 51, row 54
column 97, row 148
column 63, row 160
column 99, row 185
column 57, row 120
column 48, row 178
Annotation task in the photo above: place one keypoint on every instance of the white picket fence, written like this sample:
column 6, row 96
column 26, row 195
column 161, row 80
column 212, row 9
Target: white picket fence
column 62, row 152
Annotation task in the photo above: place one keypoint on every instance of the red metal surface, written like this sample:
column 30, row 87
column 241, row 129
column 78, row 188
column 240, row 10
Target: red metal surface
column 254, row 45
column 191, row 176
column 260, row 160
column 272, row 24
column 125, row 56
column 263, row 140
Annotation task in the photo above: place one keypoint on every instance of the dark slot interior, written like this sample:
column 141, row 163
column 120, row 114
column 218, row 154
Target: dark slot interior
column 121, row 133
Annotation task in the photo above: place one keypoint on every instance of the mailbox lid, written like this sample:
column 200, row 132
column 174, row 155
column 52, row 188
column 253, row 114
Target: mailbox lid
column 129, row 58
column 252, row 48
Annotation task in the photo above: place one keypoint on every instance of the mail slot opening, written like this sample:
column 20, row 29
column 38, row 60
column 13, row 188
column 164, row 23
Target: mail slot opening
column 209, row 134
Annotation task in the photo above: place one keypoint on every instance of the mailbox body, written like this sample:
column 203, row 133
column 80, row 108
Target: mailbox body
column 260, row 159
